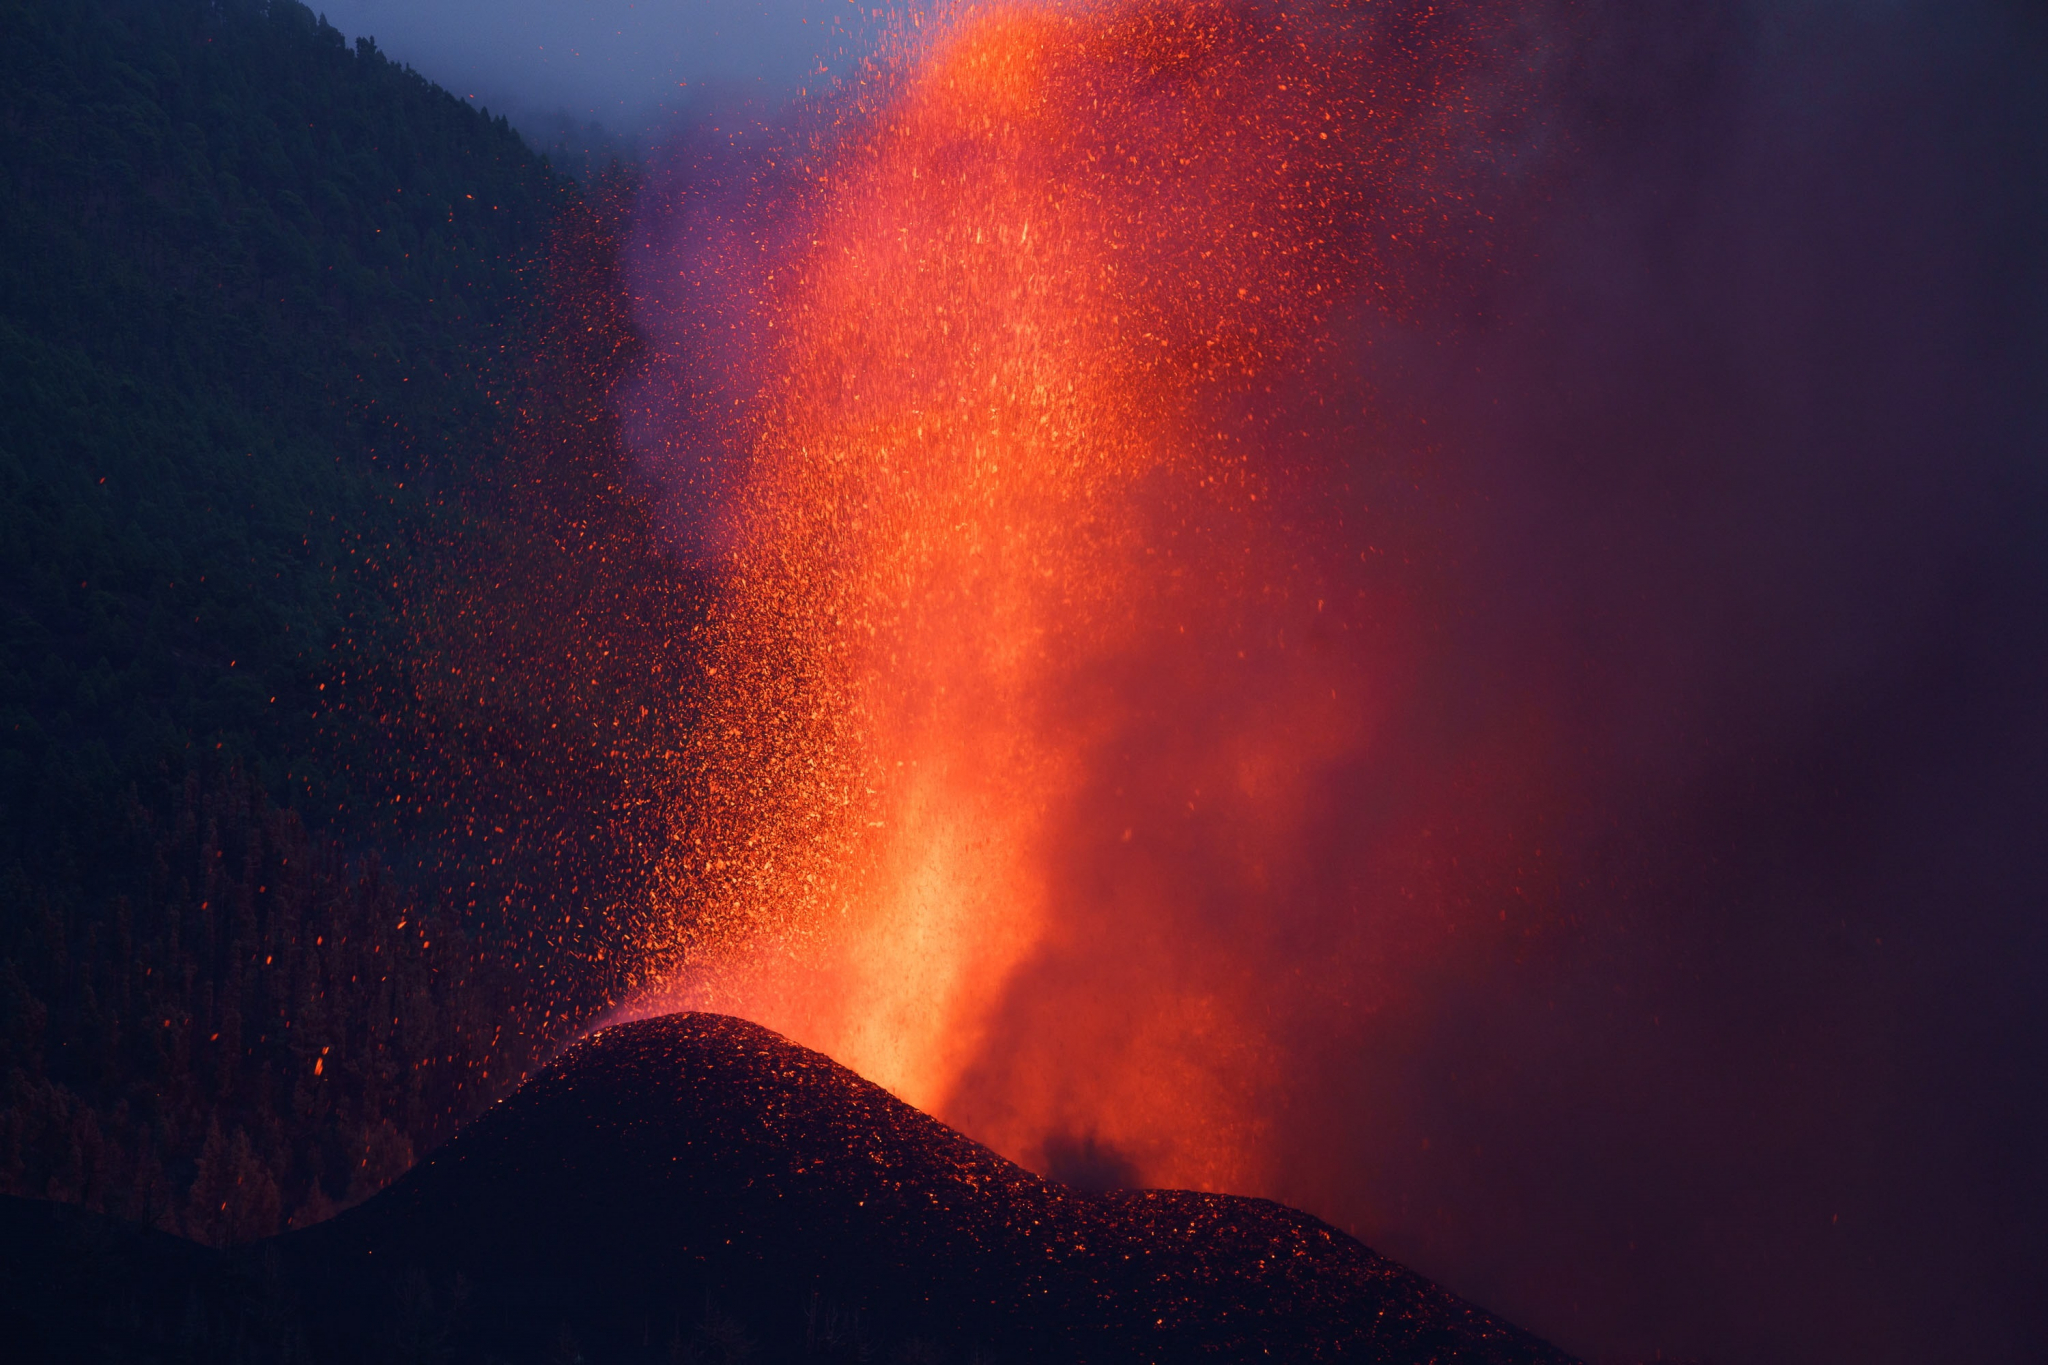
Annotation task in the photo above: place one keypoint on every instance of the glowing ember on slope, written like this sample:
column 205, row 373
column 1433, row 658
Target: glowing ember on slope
column 1034, row 644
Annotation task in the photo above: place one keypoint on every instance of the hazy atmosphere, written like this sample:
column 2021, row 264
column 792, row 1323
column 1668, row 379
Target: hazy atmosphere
column 1300, row 617
column 628, row 67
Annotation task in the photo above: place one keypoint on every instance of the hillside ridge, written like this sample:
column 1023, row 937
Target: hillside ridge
column 697, row 1187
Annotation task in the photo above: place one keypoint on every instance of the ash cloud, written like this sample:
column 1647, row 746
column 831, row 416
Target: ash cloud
column 1740, row 473
column 1666, row 976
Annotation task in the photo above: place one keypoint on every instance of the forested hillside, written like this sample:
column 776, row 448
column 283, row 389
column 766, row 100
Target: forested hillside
column 256, row 290
column 267, row 305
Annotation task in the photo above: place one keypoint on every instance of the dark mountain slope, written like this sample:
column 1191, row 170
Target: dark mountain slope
column 258, row 293
column 280, row 323
column 696, row 1187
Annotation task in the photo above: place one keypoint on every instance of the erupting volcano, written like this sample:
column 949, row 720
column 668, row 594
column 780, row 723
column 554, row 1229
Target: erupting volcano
column 1066, row 685
column 1039, row 629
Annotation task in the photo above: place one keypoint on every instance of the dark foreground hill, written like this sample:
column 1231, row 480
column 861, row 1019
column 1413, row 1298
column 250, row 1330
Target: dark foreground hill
column 697, row 1188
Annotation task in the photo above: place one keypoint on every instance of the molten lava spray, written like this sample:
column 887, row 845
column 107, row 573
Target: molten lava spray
column 1420, row 609
column 1033, row 646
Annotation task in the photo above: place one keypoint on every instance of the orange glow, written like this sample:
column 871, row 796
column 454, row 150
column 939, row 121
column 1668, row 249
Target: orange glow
column 1033, row 643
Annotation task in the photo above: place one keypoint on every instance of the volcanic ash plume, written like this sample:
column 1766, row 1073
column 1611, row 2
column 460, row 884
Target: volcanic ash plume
column 1032, row 648
column 1424, row 610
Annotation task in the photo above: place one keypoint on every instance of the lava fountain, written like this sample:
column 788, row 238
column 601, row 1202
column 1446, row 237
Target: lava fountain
column 1039, row 625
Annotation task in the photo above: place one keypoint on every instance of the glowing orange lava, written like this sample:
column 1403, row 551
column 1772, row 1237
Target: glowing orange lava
column 1032, row 649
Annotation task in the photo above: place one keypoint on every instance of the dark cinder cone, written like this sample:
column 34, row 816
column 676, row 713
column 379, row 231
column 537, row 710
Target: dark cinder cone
column 696, row 1188
column 697, row 1160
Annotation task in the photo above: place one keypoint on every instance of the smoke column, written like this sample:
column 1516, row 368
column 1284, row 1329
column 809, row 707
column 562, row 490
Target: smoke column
column 1431, row 612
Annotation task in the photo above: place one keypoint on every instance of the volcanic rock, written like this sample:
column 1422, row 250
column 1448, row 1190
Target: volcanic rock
column 697, row 1188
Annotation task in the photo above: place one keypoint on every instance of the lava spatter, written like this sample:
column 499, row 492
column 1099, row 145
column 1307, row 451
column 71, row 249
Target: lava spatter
column 1031, row 645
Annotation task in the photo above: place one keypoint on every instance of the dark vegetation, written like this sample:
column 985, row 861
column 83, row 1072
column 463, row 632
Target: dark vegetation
column 283, row 360
column 697, row 1189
